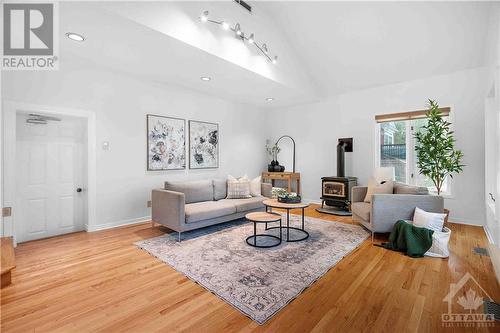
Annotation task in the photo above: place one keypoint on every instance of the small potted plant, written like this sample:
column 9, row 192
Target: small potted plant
column 437, row 157
column 273, row 151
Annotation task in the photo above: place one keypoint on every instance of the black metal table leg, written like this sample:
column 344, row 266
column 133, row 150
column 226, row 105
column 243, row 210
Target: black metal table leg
column 255, row 235
column 288, row 225
column 302, row 218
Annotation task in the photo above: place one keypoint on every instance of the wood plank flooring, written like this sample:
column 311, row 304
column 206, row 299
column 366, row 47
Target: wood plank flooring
column 101, row 282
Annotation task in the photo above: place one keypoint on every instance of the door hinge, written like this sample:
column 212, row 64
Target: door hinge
column 6, row 211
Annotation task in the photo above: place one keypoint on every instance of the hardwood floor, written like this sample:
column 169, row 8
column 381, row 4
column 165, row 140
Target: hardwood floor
column 101, row 282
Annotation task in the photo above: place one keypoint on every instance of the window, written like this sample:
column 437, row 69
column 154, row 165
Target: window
column 396, row 144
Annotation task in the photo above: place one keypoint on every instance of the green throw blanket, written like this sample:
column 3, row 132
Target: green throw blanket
column 413, row 241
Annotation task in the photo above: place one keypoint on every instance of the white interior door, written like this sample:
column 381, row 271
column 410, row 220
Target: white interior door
column 50, row 169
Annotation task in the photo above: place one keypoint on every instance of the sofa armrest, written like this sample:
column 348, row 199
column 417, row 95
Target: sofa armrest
column 387, row 209
column 168, row 208
column 266, row 189
column 358, row 193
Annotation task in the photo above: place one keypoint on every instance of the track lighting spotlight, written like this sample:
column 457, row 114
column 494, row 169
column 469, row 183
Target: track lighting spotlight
column 237, row 29
column 239, row 34
column 204, row 16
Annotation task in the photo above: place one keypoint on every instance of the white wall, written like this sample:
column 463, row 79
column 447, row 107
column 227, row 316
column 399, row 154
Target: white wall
column 316, row 128
column 121, row 104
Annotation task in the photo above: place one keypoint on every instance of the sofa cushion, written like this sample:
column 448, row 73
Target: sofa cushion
column 220, row 189
column 238, row 188
column 200, row 211
column 400, row 188
column 362, row 209
column 243, row 205
column 194, row 191
column 374, row 187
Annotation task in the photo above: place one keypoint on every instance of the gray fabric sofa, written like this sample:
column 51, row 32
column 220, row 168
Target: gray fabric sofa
column 189, row 205
column 385, row 210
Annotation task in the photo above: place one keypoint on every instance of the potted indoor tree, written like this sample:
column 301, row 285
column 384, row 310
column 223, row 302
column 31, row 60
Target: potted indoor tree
column 437, row 157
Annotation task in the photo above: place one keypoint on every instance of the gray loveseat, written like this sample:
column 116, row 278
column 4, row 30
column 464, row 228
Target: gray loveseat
column 385, row 210
column 189, row 205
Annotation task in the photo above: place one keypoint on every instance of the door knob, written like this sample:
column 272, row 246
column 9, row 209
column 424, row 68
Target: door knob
column 79, row 190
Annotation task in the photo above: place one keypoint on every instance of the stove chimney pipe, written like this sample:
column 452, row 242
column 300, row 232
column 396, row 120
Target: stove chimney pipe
column 341, row 158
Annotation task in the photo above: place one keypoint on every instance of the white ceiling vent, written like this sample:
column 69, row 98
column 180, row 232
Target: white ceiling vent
column 244, row 5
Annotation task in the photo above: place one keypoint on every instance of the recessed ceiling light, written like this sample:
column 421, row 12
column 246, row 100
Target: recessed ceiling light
column 205, row 78
column 75, row 36
column 270, row 99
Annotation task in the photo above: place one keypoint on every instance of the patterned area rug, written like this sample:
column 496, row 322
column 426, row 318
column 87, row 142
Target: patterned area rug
column 258, row 282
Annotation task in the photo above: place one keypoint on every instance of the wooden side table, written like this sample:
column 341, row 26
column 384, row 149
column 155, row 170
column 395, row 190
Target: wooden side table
column 288, row 176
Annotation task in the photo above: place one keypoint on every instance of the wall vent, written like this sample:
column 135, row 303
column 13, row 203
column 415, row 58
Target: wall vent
column 245, row 5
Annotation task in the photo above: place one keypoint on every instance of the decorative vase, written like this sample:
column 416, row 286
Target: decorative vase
column 282, row 168
column 277, row 168
column 270, row 168
column 273, row 163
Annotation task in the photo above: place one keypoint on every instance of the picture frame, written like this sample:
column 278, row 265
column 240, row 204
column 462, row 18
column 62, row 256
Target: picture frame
column 166, row 143
column 203, row 145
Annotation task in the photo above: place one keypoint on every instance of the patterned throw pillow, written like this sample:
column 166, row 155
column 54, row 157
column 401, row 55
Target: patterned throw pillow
column 374, row 187
column 238, row 188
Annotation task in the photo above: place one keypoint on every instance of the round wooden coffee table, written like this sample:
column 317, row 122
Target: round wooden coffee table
column 263, row 217
column 274, row 203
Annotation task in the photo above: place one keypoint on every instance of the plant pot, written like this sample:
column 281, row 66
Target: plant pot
column 447, row 212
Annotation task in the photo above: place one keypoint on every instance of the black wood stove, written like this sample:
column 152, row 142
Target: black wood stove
column 336, row 191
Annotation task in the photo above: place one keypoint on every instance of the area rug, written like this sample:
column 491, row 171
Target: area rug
column 258, row 282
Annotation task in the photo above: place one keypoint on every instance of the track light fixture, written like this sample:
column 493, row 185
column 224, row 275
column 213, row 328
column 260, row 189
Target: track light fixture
column 240, row 35
column 204, row 16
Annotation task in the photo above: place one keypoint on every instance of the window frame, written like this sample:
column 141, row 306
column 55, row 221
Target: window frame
column 411, row 166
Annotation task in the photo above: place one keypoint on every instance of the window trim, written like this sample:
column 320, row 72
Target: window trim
column 409, row 115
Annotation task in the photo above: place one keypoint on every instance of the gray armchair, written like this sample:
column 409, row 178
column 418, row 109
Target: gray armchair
column 385, row 210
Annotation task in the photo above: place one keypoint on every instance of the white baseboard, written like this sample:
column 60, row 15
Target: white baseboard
column 488, row 234
column 116, row 224
column 459, row 220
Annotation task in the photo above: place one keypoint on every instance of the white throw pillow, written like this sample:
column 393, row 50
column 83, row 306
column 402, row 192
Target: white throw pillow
column 375, row 187
column 238, row 188
column 255, row 186
column 432, row 221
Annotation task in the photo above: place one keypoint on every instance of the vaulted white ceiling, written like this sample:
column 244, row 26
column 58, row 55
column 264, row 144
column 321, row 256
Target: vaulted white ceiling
column 324, row 48
column 348, row 46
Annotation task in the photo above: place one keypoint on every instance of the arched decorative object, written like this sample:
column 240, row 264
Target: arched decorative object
column 293, row 141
